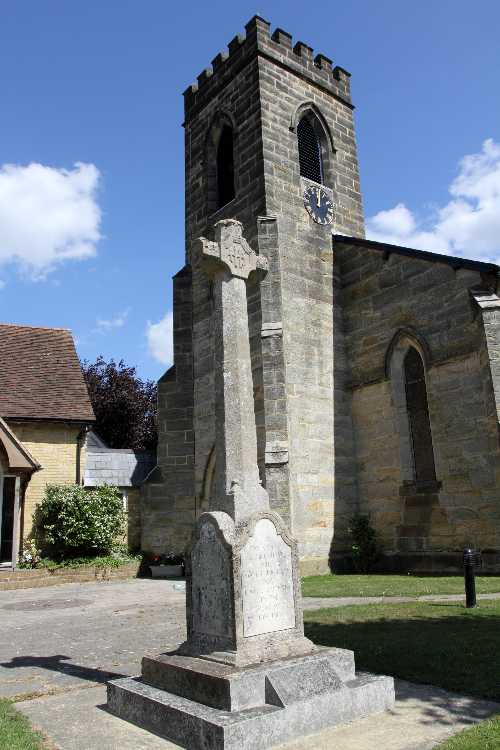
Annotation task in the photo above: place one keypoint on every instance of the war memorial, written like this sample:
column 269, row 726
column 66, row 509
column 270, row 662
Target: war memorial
column 246, row 677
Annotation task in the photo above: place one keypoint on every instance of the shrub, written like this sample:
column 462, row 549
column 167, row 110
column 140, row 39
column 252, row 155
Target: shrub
column 74, row 522
column 365, row 545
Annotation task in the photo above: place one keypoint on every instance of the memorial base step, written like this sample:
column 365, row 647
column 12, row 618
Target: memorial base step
column 209, row 706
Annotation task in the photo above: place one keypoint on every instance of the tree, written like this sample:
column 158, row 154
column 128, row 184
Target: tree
column 124, row 405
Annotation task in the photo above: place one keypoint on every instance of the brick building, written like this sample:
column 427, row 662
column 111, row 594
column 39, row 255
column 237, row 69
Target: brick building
column 376, row 375
column 45, row 412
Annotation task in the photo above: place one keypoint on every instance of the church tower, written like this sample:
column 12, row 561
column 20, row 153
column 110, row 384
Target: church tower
column 269, row 140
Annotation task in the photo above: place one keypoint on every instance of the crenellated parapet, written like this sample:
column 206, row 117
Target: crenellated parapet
column 277, row 47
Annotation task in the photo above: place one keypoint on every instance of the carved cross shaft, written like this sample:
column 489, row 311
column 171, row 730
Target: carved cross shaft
column 229, row 261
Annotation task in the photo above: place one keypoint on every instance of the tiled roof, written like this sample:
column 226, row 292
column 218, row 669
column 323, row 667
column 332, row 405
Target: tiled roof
column 40, row 375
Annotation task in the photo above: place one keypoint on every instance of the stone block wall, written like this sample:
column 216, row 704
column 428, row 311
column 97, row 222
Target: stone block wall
column 229, row 90
column 316, row 406
column 384, row 293
column 260, row 87
column 133, row 529
column 168, row 507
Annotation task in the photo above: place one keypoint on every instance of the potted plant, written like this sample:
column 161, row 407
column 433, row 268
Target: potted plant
column 169, row 565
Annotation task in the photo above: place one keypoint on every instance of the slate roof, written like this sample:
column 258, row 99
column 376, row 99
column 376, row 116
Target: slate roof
column 451, row 260
column 121, row 467
column 40, row 375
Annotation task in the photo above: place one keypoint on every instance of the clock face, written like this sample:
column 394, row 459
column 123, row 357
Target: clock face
column 318, row 204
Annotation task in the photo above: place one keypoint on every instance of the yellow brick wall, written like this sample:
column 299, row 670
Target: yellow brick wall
column 55, row 447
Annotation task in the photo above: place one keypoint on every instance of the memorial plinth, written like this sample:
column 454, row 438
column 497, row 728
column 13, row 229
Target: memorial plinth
column 246, row 678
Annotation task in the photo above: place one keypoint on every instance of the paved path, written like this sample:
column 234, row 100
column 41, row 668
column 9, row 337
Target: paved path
column 82, row 634
column 326, row 602
column 59, row 646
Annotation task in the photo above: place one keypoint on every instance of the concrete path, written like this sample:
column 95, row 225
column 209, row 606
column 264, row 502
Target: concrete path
column 422, row 717
column 60, row 645
column 76, row 635
column 327, row 602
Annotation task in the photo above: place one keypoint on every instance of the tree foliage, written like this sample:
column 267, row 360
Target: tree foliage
column 72, row 520
column 124, row 405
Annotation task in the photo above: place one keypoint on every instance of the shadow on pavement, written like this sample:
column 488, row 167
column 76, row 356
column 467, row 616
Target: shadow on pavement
column 60, row 663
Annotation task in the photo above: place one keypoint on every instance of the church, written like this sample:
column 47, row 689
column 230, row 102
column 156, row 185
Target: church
column 376, row 368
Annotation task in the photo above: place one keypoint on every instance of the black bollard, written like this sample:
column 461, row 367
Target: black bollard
column 472, row 560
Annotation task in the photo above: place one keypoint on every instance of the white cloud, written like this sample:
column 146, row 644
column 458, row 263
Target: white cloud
column 160, row 338
column 47, row 216
column 469, row 224
column 117, row 322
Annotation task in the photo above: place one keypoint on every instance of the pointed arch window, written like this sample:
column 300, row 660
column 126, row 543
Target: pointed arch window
column 418, row 417
column 225, row 167
column 310, row 161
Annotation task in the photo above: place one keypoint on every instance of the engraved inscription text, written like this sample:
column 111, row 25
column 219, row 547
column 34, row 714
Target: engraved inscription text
column 267, row 582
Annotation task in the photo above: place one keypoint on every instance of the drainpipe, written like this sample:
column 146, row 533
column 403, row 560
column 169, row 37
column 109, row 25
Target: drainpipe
column 80, row 442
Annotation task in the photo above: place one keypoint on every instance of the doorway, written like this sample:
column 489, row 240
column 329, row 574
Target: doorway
column 7, row 506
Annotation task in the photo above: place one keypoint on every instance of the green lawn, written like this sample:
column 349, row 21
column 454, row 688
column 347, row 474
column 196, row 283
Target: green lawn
column 15, row 730
column 393, row 585
column 486, row 736
column 439, row 643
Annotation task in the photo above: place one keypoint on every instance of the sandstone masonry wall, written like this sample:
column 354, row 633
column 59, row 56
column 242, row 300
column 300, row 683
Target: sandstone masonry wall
column 383, row 293
column 316, row 405
column 168, row 505
column 260, row 86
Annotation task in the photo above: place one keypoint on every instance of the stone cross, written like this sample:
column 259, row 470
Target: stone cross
column 246, row 677
column 229, row 261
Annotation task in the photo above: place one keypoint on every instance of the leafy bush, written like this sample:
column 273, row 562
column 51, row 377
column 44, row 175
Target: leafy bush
column 74, row 522
column 365, row 545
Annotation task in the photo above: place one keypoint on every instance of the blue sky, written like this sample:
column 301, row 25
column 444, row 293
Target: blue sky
column 98, row 84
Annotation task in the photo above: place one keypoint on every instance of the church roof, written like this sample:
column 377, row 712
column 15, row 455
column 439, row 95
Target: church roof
column 40, row 375
column 452, row 260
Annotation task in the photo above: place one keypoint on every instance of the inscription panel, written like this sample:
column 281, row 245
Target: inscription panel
column 211, row 584
column 267, row 582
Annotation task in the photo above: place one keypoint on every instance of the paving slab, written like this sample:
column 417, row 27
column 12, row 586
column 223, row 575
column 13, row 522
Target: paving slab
column 65, row 643
column 77, row 635
column 422, row 717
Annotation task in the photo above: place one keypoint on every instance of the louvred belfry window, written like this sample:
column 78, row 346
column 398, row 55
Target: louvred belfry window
column 418, row 417
column 225, row 167
column 309, row 151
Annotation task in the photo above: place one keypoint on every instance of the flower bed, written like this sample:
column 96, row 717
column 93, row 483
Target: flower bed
column 83, row 573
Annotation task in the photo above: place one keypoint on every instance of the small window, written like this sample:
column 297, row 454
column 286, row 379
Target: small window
column 418, row 417
column 309, row 151
column 225, row 167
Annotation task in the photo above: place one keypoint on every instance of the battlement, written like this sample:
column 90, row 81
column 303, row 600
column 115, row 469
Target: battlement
column 277, row 47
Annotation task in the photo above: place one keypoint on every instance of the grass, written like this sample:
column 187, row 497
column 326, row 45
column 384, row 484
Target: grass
column 15, row 730
column 439, row 643
column 393, row 585
column 486, row 736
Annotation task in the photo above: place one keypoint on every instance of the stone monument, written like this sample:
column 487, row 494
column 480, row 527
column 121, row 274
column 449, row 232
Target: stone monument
column 246, row 678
